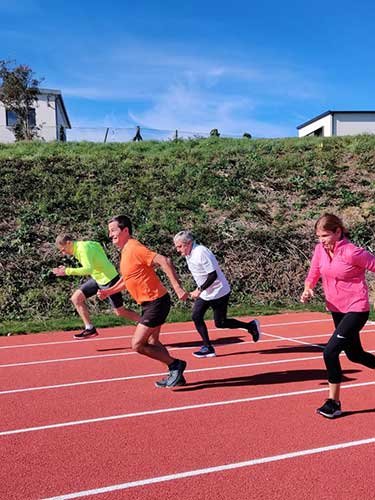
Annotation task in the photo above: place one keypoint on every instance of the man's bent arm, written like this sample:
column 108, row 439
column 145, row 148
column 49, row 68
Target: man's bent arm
column 166, row 264
column 86, row 269
column 106, row 292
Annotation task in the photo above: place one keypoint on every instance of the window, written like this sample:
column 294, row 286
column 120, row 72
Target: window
column 11, row 118
column 31, row 117
column 319, row 132
column 62, row 134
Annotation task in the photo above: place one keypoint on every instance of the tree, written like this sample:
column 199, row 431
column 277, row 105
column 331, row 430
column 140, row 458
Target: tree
column 19, row 91
column 214, row 133
column 247, row 135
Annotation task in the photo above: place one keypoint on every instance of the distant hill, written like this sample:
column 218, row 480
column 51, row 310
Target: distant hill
column 253, row 202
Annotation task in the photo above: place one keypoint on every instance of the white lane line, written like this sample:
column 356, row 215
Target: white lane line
column 162, row 333
column 61, row 360
column 122, row 337
column 175, row 409
column 133, row 377
column 296, row 339
column 95, row 339
column 217, row 468
column 98, row 356
column 131, row 353
column 279, row 337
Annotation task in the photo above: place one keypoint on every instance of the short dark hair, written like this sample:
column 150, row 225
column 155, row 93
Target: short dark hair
column 123, row 221
column 63, row 238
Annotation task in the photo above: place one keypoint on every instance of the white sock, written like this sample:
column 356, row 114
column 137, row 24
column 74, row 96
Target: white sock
column 89, row 326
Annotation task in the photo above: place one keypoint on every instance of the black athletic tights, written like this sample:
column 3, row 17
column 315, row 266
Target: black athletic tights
column 220, row 307
column 346, row 338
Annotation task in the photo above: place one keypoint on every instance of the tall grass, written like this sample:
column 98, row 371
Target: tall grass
column 253, row 202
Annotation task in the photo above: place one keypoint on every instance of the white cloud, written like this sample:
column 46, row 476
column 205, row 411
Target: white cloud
column 135, row 69
column 176, row 89
column 190, row 110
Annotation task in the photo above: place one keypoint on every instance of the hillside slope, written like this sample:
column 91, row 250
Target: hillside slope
column 253, row 202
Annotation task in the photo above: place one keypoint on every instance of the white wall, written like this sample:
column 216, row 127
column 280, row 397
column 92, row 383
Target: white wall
column 354, row 123
column 48, row 116
column 325, row 122
column 6, row 134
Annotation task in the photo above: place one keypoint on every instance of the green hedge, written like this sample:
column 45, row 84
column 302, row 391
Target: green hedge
column 253, row 202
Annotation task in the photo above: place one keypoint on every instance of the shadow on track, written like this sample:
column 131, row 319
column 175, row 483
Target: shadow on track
column 353, row 412
column 197, row 343
column 270, row 378
column 298, row 349
column 192, row 344
column 113, row 349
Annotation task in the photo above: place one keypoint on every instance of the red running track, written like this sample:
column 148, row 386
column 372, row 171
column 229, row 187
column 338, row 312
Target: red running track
column 82, row 419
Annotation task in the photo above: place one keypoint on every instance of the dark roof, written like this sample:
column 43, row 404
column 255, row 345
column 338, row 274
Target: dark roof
column 58, row 95
column 330, row 112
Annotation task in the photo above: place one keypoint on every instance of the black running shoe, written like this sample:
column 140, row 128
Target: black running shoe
column 330, row 409
column 175, row 373
column 254, row 329
column 162, row 384
column 86, row 334
column 205, row 352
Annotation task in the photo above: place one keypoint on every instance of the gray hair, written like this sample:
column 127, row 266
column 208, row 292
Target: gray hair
column 63, row 238
column 184, row 236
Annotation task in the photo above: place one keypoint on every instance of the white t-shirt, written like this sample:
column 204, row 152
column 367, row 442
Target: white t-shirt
column 201, row 262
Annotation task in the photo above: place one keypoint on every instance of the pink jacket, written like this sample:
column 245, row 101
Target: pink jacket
column 343, row 277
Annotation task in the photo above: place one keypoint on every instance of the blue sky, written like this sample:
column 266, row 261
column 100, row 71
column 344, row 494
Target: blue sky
column 242, row 66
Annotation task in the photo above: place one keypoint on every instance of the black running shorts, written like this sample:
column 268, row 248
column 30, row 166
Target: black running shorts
column 155, row 312
column 91, row 287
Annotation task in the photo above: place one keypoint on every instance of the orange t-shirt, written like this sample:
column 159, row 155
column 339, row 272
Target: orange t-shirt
column 139, row 276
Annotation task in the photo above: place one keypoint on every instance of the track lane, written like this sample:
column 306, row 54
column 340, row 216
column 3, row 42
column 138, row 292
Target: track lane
column 56, row 456
column 296, row 478
column 121, row 451
column 138, row 395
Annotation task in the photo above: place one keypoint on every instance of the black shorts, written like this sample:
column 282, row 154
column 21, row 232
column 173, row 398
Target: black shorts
column 91, row 287
column 155, row 312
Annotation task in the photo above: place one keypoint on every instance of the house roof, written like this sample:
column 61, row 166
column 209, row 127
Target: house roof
column 330, row 112
column 58, row 95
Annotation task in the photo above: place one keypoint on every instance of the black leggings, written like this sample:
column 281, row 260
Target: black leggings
column 346, row 338
column 220, row 307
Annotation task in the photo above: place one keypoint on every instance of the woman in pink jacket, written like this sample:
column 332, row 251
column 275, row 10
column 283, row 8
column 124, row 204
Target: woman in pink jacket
column 341, row 265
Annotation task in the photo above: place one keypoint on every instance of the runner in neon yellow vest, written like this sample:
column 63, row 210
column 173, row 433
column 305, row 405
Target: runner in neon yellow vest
column 103, row 274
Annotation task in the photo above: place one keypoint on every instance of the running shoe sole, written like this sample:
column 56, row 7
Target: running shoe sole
column 210, row 355
column 86, row 336
column 162, row 384
column 337, row 413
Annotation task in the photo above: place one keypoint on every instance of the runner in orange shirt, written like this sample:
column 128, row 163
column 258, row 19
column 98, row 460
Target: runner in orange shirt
column 141, row 281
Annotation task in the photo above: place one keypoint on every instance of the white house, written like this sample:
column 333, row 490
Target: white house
column 339, row 123
column 48, row 114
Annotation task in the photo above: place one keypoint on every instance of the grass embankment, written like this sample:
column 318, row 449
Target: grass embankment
column 253, row 202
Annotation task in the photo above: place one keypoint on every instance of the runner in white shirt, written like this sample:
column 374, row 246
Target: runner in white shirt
column 212, row 290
